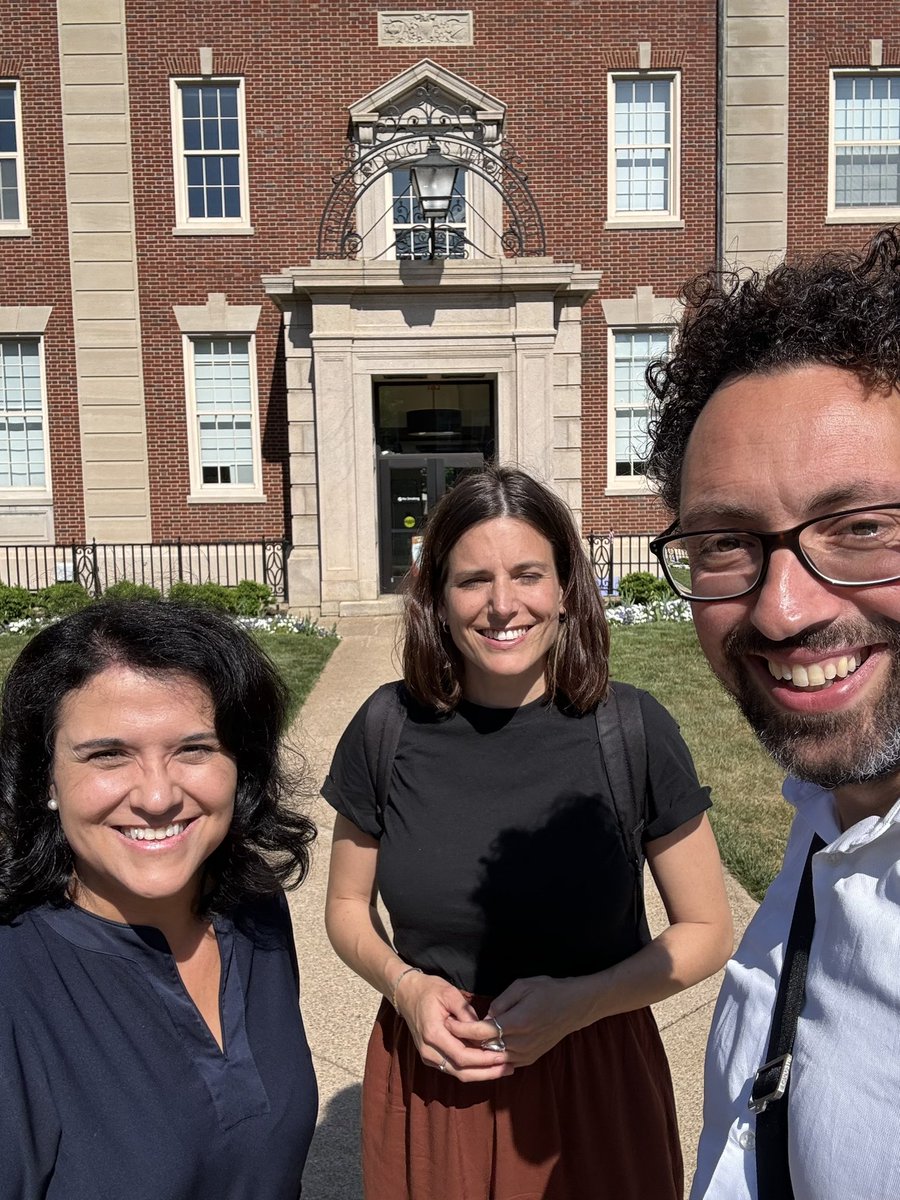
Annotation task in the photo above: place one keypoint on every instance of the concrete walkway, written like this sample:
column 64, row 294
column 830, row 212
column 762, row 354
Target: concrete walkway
column 339, row 1008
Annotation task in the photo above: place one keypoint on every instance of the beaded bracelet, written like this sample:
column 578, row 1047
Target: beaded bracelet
column 405, row 971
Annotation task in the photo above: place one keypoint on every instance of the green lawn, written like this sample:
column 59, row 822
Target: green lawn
column 300, row 660
column 10, row 645
column 749, row 816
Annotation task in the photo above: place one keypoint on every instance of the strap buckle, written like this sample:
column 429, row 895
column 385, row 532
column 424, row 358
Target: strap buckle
column 770, row 1082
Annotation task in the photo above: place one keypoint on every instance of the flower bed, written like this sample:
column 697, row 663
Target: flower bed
column 656, row 610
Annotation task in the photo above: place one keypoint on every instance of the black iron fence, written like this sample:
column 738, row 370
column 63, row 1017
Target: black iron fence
column 97, row 565
column 616, row 554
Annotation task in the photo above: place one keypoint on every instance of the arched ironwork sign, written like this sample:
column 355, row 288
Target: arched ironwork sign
column 401, row 137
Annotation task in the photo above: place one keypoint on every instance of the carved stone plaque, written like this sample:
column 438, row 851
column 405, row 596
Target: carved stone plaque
column 418, row 28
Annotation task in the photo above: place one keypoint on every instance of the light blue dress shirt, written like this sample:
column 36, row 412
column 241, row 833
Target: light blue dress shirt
column 844, row 1100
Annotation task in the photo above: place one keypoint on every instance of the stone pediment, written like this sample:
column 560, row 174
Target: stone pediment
column 422, row 94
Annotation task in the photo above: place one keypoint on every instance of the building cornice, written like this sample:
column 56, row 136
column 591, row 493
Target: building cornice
column 328, row 276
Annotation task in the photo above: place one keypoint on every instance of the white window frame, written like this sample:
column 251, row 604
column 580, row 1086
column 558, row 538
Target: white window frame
column 864, row 214
column 624, row 485
column 18, row 227
column 184, row 223
column 443, row 230
column 670, row 217
column 483, row 217
column 39, row 493
column 219, row 493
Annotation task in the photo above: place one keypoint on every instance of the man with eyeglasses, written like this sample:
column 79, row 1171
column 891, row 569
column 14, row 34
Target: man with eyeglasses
column 777, row 444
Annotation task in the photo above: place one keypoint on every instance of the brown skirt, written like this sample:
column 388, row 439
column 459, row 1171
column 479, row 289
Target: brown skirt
column 593, row 1119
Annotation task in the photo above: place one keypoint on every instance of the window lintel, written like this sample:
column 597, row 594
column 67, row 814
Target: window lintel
column 217, row 317
column 24, row 320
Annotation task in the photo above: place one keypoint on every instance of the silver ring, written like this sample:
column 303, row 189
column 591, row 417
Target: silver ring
column 442, row 1065
column 497, row 1044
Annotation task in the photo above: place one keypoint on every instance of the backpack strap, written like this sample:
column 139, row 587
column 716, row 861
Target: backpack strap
column 385, row 718
column 623, row 750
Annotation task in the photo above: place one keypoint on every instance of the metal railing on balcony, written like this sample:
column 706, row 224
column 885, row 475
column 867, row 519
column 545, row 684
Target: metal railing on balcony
column 616, row 554
column 97, row 565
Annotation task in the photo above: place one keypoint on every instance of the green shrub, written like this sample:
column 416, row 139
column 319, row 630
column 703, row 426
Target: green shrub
column 247, row 599
column 251, row 598
column 15, row 603
column 641, row 587
column 213, row 595
column 127, row 589
column 61, row 599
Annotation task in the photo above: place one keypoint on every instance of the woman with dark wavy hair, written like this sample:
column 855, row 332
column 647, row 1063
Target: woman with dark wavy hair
column 151, row 1043
column 515, row 1056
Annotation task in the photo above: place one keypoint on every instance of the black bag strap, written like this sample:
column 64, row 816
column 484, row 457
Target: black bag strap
column 623, row 749
column 769, row 1094
column 383, row 725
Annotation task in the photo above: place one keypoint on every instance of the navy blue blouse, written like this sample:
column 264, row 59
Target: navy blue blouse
column 111, row 1084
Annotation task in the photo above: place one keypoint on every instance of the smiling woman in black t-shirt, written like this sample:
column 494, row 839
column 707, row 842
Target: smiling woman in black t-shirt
column 520, row 1059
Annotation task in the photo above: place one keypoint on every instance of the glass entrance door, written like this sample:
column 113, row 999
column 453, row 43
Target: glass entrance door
column 428, row 431
column 408, row 485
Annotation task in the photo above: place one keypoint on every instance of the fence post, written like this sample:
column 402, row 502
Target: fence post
column 180, row 573
column 612, row 563
column 95, row 569
column 285, row 554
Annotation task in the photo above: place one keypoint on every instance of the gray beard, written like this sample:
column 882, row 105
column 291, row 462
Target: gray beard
column 835, row 749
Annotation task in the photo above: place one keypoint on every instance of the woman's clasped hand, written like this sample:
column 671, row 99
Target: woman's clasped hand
column 435, row 1011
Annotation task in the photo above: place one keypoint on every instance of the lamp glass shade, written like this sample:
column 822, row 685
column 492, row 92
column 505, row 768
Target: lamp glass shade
column 434, row 178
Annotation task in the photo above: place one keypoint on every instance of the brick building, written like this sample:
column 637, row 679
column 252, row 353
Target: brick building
column 225, row 314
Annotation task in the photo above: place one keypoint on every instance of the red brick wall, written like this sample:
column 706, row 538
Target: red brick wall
column 163, row 38
column 35, row 270
column 303, row 66
column 823, row 37
column 302, row 69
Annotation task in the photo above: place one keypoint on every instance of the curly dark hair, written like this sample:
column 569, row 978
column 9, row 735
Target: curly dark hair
column 839, row 309
column 578, row 669
column 267, row 845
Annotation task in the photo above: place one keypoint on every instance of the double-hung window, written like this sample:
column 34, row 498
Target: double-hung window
column 211, row 193
column 411, row 227
column 632, row 351
column 23, row 451
column 865, row 156
column 224, row 417
column 643, row 149
column 12, row 173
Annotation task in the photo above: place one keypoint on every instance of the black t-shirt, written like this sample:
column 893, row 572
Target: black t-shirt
column 500, row 854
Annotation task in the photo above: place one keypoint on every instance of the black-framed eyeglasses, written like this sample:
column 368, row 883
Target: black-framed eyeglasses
column 857, row 547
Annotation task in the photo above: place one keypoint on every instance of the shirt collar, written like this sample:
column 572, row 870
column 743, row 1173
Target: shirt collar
column 92, row 932
column 818, row 808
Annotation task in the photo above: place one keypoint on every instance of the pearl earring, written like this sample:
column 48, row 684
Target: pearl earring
column 52, row 804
